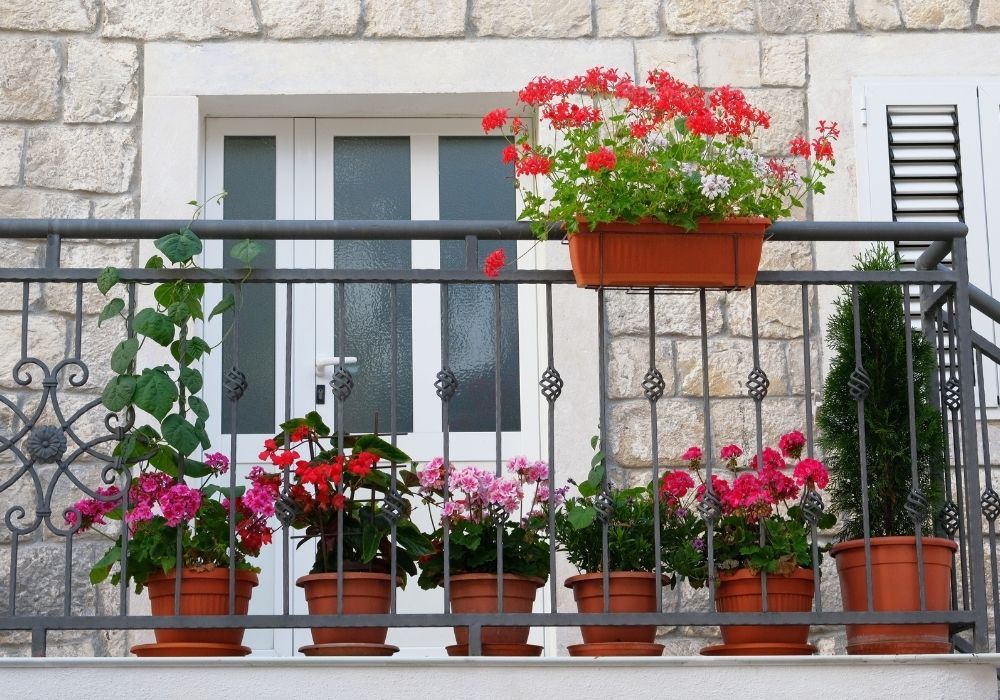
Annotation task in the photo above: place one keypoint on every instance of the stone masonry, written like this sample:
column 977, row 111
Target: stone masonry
column 71, row 83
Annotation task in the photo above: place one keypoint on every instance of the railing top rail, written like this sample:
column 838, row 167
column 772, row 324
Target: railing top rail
column 436, row 230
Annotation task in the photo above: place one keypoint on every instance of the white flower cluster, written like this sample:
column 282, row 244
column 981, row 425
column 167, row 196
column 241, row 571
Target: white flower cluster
column 714, row 186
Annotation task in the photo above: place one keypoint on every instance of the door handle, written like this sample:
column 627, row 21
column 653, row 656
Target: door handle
column 350, row 363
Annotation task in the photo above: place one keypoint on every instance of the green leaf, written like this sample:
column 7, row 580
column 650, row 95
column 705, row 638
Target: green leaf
column 179, row 247
column 107, row 279
column 111, row 309
column 315, row 421
column 223, row 491
column 180, row 434
column 102, row 568
column 119, row 392
column 179, row 313
column 378, row 446
column 154, row 326
column 199, row 407
column 155, row 393
column 370, row 537
column 123, row 355
column 194, row 349
column 228, row 302
column 191, row 379
column 596, row 475
column 245, row 251
column 154, row 263
column 581, row 517
column 165, row 293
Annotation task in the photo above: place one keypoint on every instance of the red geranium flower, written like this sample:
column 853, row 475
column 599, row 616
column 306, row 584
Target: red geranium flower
column 494, row 262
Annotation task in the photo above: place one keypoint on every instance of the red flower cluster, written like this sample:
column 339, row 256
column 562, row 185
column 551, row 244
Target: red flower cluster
column 755, row 493
column 602, row 159
column 494, row 262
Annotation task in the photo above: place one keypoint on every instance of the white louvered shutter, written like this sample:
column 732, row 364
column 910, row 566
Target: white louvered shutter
column 925, row 164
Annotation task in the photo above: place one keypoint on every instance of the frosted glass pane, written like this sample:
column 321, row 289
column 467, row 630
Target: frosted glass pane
column 371, row 180
column 475, row 184
column 249, row 178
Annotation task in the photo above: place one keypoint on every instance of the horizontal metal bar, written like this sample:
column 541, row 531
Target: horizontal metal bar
column 502, row 620
column 437, row 230
column 854, row 277
column 424, row 276
column 295, row 275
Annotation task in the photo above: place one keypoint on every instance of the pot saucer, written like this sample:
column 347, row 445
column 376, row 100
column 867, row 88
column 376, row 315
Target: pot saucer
column 616, row 649
column 348, row 649
column 760, row 649
column 497, row 650
column 189, row 649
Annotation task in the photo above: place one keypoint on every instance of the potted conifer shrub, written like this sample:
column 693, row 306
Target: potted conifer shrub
column 893, row 544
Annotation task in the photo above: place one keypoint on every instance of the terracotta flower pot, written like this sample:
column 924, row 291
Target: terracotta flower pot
column 895, row 588
column 364, row 593
column 719, row 254
column 477, row 593
column 628, row 592
column 740, row 591
column 202, row 593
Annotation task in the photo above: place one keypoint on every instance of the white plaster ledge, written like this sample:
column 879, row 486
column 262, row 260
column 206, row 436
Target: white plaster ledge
column 946, row 676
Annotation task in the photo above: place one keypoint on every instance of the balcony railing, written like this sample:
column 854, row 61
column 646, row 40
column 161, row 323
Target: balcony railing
column 62, row 395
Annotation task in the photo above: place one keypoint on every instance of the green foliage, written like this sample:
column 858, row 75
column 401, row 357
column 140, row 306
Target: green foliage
column 630, row 536
column 366, row 534
column 887, row 430
column 786, row 544
column 473, row 550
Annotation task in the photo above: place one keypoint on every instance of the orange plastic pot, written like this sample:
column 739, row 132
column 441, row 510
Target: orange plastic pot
column 364, row 594
column 895, row 588
column 477, row 593
column 740, row 591
column 628, row 592
column 717, row 254
column 202, row 593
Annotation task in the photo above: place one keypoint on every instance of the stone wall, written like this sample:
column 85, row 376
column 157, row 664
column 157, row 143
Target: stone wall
column 71, row 83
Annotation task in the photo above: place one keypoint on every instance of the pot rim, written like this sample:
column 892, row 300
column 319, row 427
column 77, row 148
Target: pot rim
column 356, row 575
column 572, row 580
column 218, row 572
column 486, row 577
column 894, row 540
column 753, row 220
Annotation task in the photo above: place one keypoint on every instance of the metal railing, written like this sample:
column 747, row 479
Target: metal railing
column 32, row 515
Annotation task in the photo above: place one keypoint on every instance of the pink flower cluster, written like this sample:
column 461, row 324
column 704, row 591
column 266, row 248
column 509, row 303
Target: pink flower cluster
column 93, row 510
column 217, row 462
column 473, row 491
column 757, row 491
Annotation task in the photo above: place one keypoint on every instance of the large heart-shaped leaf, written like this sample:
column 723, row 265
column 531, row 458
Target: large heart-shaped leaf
column 154, row 326
column 110, row 310
column 155, row 393
column 119, row 392
column 107, row 279
column 179, row 247
column 191, row 379
column 123, row 354
column 180, row 434
column 245, row 251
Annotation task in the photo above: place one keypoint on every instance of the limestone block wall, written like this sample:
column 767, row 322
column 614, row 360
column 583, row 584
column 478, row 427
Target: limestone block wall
column 71, row 88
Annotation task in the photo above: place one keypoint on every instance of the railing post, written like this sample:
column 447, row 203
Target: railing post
column 966, row 374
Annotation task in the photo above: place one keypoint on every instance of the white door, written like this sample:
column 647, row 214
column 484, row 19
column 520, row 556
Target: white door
column 371, row 169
